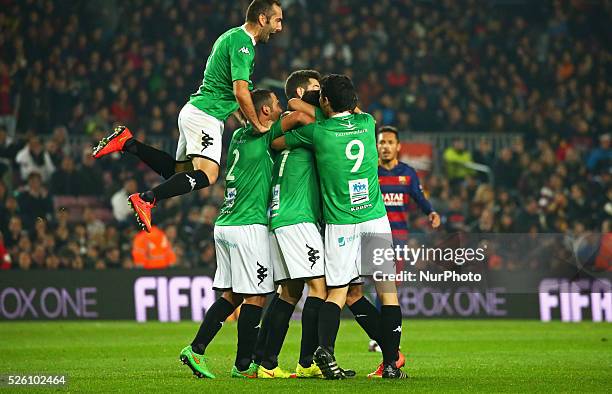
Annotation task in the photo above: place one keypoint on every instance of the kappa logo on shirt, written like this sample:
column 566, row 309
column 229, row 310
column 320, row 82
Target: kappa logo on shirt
column 245, row 50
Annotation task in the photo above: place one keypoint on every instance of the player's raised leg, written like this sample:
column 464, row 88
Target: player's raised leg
column 121, row 140
column 200, row 141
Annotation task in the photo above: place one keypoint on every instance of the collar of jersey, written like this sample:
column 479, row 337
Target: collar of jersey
column 249, row 34
column 341, row 114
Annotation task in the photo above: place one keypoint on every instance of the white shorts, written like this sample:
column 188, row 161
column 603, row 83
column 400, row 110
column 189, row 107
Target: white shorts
column 297, row 252
column 243, row 259
column 199, row 135
column 343, row 248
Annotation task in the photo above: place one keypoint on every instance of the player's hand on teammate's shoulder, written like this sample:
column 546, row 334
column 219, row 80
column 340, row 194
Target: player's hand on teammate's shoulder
column 262, row 128
column 434, row 219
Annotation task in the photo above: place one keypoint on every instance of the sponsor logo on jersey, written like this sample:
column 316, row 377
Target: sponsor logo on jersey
column 244, row 50
column 262, row 273
column 359, row 208
column 230, row 197
column 275, row 202
column 359, row 191
column 393, row 199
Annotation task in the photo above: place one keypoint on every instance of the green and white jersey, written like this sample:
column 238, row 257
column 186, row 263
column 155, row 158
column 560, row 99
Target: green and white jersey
column 232, row 59
column 248, row 179
column 347, row 163
column 296, row 196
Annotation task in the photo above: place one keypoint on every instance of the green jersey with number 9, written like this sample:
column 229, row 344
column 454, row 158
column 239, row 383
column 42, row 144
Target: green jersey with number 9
column 248, row 178
column 347, row 163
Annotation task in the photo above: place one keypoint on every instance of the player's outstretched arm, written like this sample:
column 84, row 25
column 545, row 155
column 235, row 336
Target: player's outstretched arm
column 243, row 97
column 295, row 119
column 301, row 137
column 279, row 143
column 296, row 104
column 415, row 190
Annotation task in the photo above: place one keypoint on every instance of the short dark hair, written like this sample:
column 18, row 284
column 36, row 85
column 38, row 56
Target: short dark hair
column 389, row 129
column 299, row 79
column 340, row 92
column 258, row 7
column 312, row 97
column 260, row 98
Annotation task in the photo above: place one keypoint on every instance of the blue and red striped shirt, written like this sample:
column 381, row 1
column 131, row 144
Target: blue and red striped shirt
column 398, row 185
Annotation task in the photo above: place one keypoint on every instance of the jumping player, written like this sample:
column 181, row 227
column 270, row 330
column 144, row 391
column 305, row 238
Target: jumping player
column 225, row 88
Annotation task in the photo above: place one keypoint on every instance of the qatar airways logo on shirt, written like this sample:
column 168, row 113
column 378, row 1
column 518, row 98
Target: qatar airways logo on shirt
column 393, row 199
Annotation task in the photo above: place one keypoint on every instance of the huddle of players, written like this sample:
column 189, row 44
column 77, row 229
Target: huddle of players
column 291, row 170
column 326, row 168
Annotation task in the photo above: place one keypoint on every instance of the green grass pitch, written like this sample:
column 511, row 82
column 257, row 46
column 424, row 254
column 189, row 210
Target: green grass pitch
column 442, row 355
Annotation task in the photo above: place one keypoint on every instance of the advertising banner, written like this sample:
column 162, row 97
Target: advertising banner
column 171, row 295
column 512, row 276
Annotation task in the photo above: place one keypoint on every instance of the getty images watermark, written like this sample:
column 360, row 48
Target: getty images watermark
column 440, row 260
column 442, row 257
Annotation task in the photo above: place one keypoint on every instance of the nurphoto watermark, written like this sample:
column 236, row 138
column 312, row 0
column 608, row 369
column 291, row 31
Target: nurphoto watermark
column 442, row 261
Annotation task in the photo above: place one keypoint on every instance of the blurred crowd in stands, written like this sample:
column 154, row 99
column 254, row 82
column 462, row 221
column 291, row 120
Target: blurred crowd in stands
column 70, row 71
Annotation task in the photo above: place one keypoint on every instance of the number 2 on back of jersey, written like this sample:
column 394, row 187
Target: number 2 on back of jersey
column 230, row 176
column 358, row 157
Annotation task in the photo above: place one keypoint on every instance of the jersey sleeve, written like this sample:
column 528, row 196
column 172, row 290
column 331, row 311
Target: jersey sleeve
column 241, row 56
column 275, row 131
column 302, row 137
